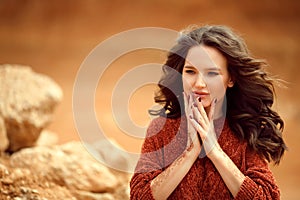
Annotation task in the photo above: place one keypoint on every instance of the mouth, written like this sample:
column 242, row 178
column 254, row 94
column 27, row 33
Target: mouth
column 201, row 94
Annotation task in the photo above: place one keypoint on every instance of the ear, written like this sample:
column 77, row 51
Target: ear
column 230, row 83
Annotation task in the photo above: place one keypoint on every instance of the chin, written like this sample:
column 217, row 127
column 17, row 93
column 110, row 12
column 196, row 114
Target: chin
column 206, row 104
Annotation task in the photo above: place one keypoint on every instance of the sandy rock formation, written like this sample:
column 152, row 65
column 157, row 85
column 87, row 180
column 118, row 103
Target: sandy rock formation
column 3, row 138
column 21, row 184
column 76, row 171
column 47, row 138
column 44, row 170
column 27, row 102
column 65, row 171
column 83, row 195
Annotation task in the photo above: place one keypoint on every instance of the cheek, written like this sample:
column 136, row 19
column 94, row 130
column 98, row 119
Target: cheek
column 187, row 83
column 216, row 86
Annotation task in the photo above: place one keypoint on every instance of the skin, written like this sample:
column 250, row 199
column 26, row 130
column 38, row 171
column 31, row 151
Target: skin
column 205, row 76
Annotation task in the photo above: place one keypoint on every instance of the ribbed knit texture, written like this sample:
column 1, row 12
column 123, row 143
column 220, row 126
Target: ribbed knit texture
column 166, row 140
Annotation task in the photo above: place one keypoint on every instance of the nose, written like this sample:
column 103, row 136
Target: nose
column 200, row 83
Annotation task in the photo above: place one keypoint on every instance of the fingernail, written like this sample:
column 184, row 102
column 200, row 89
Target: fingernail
column 215, row 101
column 190, row 116
column 199, row 99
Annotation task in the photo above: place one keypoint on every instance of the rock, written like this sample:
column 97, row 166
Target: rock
column 47, row 138
column 84, row 195
column 76, row 170
column 19, row 173
column 122, row 190
column 27, row 102
column 23, row 184
column 112, row 154
column 3, row 138
column 3, row 171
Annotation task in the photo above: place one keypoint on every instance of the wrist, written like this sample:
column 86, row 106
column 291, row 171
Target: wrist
column 215, row 153
column 191, row 154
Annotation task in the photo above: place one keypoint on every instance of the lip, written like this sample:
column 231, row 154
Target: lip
column 201, row 93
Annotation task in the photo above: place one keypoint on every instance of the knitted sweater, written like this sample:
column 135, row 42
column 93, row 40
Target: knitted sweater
column 166, row 140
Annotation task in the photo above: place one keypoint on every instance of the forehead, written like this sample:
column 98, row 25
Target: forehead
column 202, row 57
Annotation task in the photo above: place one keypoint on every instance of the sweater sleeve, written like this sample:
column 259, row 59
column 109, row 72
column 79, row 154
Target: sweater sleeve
column 259, row 182
column 149, row 164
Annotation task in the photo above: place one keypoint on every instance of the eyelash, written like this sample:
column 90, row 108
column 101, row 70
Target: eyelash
column 213, row 73
column 190, row 71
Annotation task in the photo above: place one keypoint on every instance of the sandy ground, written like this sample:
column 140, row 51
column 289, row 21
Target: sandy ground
column 55, row 37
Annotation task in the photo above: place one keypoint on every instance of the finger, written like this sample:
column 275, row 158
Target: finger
column 202, row 111
column 192, row 134
column 190, row 110
column 208, row 141
column 199, row 129
column 188, row 105
column 185, row 100
column 191, row 128
column 191, row 102
column 189, row 114
column 212, row 110
column 196, row 112
column 199, row 118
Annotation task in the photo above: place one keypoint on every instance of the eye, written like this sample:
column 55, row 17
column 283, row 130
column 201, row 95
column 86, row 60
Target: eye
column 213, row 73
column 189, row 71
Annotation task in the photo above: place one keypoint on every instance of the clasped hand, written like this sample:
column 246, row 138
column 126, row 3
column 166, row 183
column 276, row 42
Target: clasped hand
column 200, row 126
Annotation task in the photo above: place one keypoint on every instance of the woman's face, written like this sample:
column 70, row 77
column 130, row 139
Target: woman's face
column 205, row 75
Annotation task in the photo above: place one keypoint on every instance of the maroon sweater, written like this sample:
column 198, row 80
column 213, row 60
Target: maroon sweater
column 166, row 140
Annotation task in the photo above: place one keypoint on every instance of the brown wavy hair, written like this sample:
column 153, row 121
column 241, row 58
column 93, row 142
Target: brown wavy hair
column 249, row 101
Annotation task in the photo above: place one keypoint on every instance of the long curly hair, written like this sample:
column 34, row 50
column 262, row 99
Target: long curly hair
column 249, row 101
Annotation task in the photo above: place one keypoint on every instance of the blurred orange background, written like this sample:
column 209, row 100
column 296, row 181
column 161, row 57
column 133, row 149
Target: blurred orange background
column 54, row 37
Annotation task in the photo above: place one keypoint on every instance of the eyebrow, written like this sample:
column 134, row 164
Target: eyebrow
column 209, row 68
column 189, row 66
column 214, row 68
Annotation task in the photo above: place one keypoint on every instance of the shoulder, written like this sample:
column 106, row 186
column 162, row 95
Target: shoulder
column 161, row 125
column 160, row 132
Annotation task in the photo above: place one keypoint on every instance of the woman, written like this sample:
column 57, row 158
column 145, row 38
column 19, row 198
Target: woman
column 216, row 132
